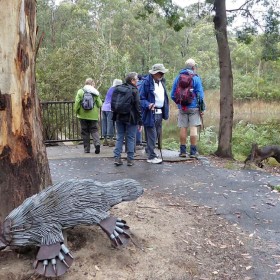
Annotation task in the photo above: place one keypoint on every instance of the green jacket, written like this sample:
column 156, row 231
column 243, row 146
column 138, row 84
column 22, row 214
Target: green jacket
column 87, row 114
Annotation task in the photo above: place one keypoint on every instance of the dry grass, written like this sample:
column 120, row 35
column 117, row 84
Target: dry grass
column 254, row 112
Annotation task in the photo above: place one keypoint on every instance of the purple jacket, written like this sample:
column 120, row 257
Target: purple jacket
column 107, row 103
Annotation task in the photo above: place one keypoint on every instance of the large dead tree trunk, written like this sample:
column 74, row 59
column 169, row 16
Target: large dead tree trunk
column 24, row 168
column 226, row 84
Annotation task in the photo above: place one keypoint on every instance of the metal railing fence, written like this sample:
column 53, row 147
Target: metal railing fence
column 60, row 123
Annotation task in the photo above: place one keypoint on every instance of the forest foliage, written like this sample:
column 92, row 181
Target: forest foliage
column 105, row 39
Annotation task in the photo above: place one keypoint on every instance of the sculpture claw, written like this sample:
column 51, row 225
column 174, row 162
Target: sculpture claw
column 61, row 257
column 115, row 229
column 45, row 264
column 66, row 250
column 53, row 260
column 123, row 225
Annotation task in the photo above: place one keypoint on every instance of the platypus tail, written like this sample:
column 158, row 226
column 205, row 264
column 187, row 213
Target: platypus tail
column 122, row 190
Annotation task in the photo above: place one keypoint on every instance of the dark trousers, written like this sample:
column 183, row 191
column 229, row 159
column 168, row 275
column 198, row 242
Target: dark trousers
column 89, row 128
column 152, row 135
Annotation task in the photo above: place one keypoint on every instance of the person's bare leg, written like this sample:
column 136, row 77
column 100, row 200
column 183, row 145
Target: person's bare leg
column 183, row 141
column 193, row 135
column 183, row 135
column 193, row 141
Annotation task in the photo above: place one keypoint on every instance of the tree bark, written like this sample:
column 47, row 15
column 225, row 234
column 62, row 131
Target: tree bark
column 24, row 168
column 226, row 84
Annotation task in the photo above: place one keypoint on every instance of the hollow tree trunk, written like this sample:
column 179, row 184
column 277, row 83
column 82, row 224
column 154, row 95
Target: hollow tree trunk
column 24, row 168
column 226, row 84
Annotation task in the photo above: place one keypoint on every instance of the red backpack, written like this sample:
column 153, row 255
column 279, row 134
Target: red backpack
column 184, row 94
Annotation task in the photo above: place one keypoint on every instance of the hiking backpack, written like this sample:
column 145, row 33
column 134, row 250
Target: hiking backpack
column 122, row 98
column 184, row 94
column 88, row 100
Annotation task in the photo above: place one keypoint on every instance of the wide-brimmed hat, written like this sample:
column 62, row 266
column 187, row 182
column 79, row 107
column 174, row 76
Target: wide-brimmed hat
column 158, row 68
column 190, row 63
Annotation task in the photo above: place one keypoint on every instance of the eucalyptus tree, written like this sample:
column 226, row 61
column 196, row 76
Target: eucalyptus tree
column 271, row 37
column 62, row 72
column 24, row 168
column 226, row 79
column 61, row 23
column 256, row 57
column 144, row 39
column 111, row 41
column 81, row 50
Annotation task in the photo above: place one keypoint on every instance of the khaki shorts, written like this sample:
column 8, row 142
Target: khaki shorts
column 188, row 118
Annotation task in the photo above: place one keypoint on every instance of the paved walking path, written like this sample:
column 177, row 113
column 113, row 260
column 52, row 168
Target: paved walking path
column 69, row 150
column 243, row 197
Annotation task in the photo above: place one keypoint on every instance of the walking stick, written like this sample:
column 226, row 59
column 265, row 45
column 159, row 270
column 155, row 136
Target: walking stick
column 201, row 126
column 159, row 144
column 201, row 118
column 201, row 107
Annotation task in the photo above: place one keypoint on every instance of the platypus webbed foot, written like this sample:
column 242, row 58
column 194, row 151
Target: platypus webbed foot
column 117, row 230
column 53, row 260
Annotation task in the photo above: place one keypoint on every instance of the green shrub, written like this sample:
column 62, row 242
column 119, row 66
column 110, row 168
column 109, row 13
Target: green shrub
column 170, row 144
column 208, row 141
column 244, row 134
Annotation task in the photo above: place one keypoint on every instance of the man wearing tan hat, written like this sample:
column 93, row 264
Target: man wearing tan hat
column 155, row 107
column 187, row 92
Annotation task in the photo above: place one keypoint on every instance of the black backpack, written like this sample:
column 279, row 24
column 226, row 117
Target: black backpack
column 122, row 99
column 184, row 94
column 88, row 100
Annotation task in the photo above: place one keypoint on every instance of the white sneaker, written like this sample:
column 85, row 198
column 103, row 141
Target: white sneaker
column 155, row 160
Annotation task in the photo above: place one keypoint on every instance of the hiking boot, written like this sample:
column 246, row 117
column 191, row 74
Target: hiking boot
column 183, row 151
column 139, row 147
column 105, row 142
column 155, row 160
column 86, row 151
column 118, row 162
column 196, row 155
column 193, row 152
column 97, row 149
column 112, row 143
column 130, row 162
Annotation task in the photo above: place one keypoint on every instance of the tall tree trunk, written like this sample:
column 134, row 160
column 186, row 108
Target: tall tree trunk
column 24, row 168
column 226, row 84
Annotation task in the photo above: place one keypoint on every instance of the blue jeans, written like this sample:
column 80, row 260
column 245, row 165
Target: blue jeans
column 152, row 135
column 128, row 131
column 107, row 124
column 138, row 137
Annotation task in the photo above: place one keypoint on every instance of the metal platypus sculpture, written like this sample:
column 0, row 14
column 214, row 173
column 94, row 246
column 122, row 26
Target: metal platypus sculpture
column 40, row 219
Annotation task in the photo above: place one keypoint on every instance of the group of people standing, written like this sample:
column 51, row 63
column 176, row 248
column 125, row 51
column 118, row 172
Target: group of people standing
column 149, row 106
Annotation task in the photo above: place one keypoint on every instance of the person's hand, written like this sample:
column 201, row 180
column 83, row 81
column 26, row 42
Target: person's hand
column 201, row 113
column 152, row 106
column 139, row 128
